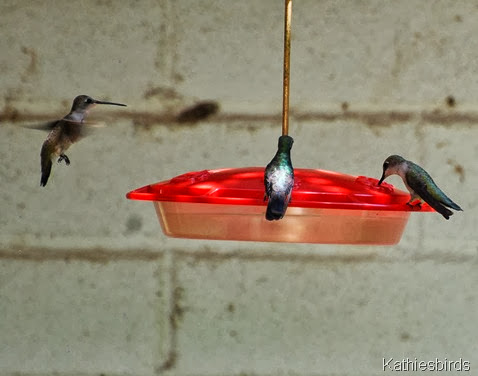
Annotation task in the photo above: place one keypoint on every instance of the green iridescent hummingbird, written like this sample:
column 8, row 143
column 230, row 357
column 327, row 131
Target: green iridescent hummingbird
column 65, row 132
column 419, row 183
column 279, row 180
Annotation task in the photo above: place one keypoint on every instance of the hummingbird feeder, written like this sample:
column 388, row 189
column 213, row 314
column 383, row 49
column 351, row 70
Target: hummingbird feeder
column 326, row 206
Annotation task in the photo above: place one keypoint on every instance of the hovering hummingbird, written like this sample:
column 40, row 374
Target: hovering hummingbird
column 279, row 180
column 420, row 185
column 65, row 132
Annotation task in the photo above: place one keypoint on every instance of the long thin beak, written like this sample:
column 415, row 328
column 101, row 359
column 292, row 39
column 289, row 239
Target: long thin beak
column 110, row 103
column 381, row 179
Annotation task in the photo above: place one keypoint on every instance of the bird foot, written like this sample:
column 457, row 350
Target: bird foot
column 415, row 205
column 63, row 157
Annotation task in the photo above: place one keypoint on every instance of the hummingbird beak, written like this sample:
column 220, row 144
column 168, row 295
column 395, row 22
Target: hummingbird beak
column 110, row 103
column 382, row 178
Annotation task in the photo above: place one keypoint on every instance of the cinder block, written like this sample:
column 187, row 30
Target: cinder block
column 230, row 53
column 368, row 53
column 81, row 317
column 100, row 48
column 366, row 78
column 449, row 155
column 259, row 315
column 234, row 53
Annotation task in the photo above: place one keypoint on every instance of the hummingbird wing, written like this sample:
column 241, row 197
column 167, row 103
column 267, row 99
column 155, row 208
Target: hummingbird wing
column 83, row 129
column 74, row 131
column 424, row 186
column 418, row 174
column 43, row 126
column 447, row 201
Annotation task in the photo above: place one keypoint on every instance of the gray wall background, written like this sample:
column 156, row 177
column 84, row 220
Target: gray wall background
column 89, row 285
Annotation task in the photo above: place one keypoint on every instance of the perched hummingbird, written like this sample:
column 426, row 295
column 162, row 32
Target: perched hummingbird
column 279, row 180
column 420, row 185
column 65, row 132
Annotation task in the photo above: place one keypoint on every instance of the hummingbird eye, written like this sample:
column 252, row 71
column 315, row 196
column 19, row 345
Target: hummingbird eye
column 385, row 165
column 88, row 100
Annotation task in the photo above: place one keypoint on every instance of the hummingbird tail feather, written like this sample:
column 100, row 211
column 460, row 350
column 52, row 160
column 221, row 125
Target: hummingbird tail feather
column 276, row 207
column 45, row 172
column 443, row 211
column 437, row 205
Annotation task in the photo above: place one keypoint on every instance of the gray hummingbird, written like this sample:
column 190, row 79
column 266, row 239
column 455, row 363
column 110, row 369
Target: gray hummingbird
column 420, row 185
column 65, row 132
column 279, row 180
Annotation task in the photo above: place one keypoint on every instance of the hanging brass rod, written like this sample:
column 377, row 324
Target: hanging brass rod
column 285, row 92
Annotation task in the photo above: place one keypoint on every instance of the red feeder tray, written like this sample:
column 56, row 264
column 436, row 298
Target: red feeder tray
column 326, row 207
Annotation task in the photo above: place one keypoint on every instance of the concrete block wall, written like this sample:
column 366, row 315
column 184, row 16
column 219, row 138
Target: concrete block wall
column 88, row 283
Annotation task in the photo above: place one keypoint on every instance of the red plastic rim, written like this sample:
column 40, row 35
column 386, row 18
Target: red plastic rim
column 245, row 186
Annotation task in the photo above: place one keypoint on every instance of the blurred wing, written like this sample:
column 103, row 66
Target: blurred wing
column 43, row 126
column 75, row 131
column 88, row 126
